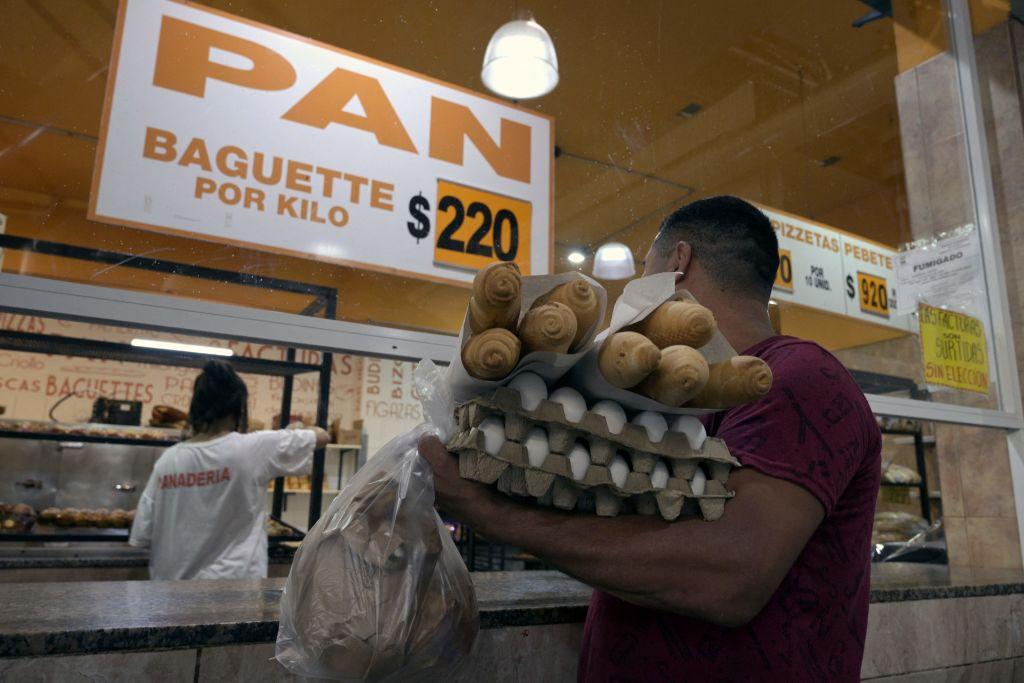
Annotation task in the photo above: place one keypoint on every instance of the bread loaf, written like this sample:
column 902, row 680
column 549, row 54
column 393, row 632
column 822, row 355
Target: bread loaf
column 626, row 358
column 676, row 323
column 492, row 354
column 581, row 299
column 167, row 415
column 733, row 382
column 548, row 327
column 496, row 298
column 680, row 375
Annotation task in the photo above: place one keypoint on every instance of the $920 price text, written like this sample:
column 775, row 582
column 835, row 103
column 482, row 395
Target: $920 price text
column 472, row 228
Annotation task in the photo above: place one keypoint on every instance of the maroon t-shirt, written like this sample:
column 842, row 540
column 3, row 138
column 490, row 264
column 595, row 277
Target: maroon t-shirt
column 814, row 428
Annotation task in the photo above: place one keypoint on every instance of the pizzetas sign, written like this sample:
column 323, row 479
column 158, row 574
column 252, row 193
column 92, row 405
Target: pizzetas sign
column 234, row 132
column 830, row 270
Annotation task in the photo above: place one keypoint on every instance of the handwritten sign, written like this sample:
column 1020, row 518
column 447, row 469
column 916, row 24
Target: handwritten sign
column 954, row 349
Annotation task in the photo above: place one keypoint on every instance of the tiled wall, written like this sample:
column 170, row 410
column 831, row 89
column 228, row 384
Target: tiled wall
column 964, row 639
column 924, row 641
column 974, row 471
column 977, row 499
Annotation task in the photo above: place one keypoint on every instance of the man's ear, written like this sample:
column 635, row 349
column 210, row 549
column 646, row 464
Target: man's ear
column 681, row 256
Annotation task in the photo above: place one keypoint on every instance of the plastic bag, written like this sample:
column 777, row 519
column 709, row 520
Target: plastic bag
column 377, row 590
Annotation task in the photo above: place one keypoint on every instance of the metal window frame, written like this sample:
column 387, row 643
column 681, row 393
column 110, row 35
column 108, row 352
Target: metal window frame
column 90, row 303
column 962, row 48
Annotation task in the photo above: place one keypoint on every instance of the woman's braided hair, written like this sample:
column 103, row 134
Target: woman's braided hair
column 219, row 392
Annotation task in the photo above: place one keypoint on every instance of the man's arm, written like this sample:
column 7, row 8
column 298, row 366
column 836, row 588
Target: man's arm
column 723, row 572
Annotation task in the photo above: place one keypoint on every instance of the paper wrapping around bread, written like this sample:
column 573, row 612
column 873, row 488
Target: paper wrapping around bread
column 639, row 299
column 551, row 366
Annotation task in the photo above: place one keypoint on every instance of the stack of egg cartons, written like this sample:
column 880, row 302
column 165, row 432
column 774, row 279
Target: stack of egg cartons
column 557, row 450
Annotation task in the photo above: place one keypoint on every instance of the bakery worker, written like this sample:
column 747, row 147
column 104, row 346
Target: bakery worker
column 777, row 588
column 203, row 513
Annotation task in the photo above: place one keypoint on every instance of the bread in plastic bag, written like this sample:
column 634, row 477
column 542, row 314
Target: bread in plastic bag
column 377, row 590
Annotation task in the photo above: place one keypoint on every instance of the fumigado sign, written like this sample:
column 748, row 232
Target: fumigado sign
column 830, row 270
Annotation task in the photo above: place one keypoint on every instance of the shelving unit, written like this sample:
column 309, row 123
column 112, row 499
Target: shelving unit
column 85, row 438
column 324, row 301
column 922, row 469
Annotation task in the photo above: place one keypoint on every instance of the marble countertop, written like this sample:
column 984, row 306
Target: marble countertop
column 98, row 616
column 902, row 581
column 65, row 618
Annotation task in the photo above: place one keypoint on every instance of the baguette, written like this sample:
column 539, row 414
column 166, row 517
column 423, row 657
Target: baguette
column 733, row 382
column 548, row 327
column 581, row 299
column 626, row 358
column 492, row 354
column 675, row 323
column 496, row 298
column 681, row 374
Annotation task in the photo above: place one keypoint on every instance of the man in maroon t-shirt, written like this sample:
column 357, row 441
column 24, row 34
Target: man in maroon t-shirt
column 777, row 589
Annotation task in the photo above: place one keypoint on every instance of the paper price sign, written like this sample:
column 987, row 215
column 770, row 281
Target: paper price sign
column 784, row 275
column 954, row 349
column 874, row 294
column 475, row 228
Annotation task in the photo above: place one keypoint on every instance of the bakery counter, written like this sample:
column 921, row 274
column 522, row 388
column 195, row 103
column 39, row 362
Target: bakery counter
column 100, row 616
column 71, row 557
column 33, row 563
column 902, row 581
column 923, row 618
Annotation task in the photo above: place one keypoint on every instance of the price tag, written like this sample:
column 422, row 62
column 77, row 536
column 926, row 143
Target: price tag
column 784, row 275
column 874, row 294
column 476, row 228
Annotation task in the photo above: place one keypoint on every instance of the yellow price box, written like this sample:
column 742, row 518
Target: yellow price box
column 784, row 275
column 476, row 228
column 874, row 294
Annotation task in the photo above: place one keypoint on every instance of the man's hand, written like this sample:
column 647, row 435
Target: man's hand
column 468, row 501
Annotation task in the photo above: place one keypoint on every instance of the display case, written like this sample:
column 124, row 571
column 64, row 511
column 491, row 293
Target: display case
column 50, row 464
column 101, row 467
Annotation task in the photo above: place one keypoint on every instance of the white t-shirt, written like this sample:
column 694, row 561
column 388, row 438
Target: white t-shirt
column 203, row 512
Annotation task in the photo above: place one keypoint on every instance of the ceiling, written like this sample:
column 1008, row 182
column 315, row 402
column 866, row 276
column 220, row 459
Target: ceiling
column 782, row 85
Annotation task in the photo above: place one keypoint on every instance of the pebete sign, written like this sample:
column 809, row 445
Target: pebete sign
column 230, row 131
column 831, row 270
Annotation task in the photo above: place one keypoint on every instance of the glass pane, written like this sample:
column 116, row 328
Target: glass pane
column 998, row 41
column 946, row 497
column 842, row 122
column 83, row 415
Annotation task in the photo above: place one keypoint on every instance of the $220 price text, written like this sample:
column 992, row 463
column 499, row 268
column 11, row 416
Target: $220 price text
column 472, row 228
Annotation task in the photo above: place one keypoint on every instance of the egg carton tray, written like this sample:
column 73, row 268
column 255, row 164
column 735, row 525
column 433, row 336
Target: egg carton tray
column 593, row 429
column 552, row 482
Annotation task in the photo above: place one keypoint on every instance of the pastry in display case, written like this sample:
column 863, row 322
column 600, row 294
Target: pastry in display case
column 16, row 519
column 168, row 417
column 23, row 518
column 89, row 429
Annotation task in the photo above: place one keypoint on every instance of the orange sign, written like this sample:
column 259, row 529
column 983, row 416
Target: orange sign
column 475, row 228
column 874, row 294
column 784, row 275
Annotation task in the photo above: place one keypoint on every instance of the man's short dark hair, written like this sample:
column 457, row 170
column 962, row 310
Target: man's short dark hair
column 732, row 239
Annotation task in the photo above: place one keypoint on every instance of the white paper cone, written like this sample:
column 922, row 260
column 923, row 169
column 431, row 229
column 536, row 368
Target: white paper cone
column 550, row 366
column 638, row 300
